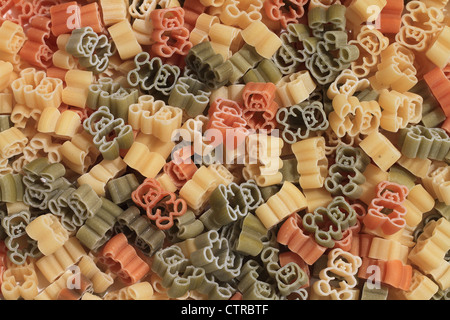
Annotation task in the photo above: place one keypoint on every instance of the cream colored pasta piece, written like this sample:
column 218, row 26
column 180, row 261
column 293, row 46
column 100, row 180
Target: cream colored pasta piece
column 77, row 87
column 225, row 40
column 421, row 288
column 258, row 35
column 113, row 11
column 203, row 24
column 380, row 150
column 439, row 52
column 51, row 291
column 383, row 249
column 6, row 70
column 418, row 167
column 12, row 38
column 417, row 203
column 21, row 114
column 100, row 174
column 20, row 281
column 54, row 265
column 295, row 88
column 143, row 30
column 373, row 175
column 140, row 158
column 48, row 232
column 12, row 142
column 6, row 98
column 79, row 153
column 124, row 39
column 101, row 281
column 65, row 124
column 279, row 206
column 312, row 163
column 317, row 198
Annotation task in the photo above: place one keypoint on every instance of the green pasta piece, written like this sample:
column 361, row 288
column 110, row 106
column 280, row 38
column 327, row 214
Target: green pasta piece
column 442, row 295
column 98, row 229
column 432, row 113
column 442, row 209
column 112, row 95
column 188, row 226
column 167, row 263
column 227, row 204
column 208, row 66
column 252, row 288
column 242, row 61
column 317, row 17
column 101, row 125
column 152, row 75
column 250, row 237
column 213, row 290
column 11, row 187
column 289, row 170
column 302, row 121
column 327, row 224
column 20, row 246
column 91, row 50
column 422, row 142
column 265, row 71
column 141, row 231
column 401, row 176
column 120, row 189
column 370, row 293
column 190, row 95
column 191, row 279
column 5, row 122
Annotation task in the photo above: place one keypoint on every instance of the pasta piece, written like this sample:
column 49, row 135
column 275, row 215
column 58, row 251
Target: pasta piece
column 48, row 232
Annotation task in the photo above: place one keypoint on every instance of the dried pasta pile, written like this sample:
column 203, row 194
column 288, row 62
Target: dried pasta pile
column 225, row 150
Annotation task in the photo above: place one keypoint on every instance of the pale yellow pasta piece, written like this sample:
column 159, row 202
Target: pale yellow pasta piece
column 12, row 142
column 437, row 182
column 48, row 232
column 35, row 90
column 418, row 167
column 312, row 162
column 435, row 3
column 347, row 83
column 124, row 39
column 143, row 30
column 65, row 124
column 12, row 38
column 54, row 265
column 79, row 153
column 263, row 163
column 90, row 296
column 6, row 70
column 203, row 24
column 225, row 40
column 279, row 206
column 421, row 288
column 113, row 11
column 138, row 291
column 20, row 281
column 51, row 292
column 101, row 281
column 197, row 190
column 295, row 88
column 417, row 203
column 439, row 52
column 399, row 109
column 231, row 92
column 383, row 249
column 373, row 175
column 101, row 173
column 64, row 60
column 21, row 114
column 317, row 198
column 166, row 183
column 380, row 150
column 77, row 87
column 164, row 148
column 6, row 98
column 140, row 158
column 258, row 35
